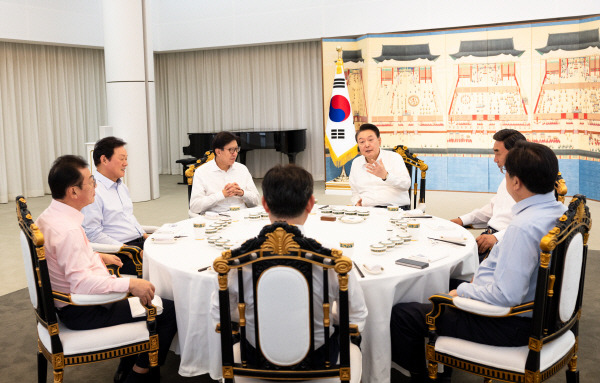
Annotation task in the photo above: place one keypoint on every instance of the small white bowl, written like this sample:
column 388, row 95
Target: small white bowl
column 388, row 244
column 378, row 249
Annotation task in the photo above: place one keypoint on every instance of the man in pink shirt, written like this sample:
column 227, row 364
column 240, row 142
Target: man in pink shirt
column 75, row 268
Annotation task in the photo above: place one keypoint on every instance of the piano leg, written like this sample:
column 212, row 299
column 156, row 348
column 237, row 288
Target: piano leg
column 292, row 157
column 242, row 156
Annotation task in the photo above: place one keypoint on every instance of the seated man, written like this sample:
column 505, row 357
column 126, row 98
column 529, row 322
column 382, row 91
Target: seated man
column 496, row 214
column 288, row 197
column 109, row 218
column 75, row 268
column 507, row 277
column 378, row 177
column 223, row 182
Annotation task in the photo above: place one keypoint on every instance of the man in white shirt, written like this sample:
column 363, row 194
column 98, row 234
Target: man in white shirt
column 378, row 177
column 497, row 214
column 223, row 183
column 288, row 197
column 507, row 278
column 109, row 219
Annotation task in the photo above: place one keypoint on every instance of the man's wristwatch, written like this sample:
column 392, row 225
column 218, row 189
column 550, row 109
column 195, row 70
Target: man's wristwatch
column 386, row 176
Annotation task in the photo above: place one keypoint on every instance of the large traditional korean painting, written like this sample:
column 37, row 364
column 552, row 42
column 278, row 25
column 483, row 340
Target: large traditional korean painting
column 444, row 94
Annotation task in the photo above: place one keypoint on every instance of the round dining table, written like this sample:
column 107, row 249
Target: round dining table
column 177, row 260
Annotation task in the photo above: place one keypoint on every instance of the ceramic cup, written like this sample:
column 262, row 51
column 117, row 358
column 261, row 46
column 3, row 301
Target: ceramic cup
column 347, row 247
column 199, row 227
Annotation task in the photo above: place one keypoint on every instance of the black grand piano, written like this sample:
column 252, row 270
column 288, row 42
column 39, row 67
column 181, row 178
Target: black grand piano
column 290, row 142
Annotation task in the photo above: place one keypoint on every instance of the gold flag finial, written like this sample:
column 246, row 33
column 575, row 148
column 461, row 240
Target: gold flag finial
column 340, row 63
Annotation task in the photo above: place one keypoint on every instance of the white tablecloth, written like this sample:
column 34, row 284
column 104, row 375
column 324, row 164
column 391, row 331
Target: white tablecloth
column 173, row 269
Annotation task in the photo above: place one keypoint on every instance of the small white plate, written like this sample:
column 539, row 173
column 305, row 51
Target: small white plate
column 351, row 219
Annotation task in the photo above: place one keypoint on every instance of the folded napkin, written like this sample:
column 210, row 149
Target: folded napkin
column 163, row 237
column 429, row 258
column 166, row 228
column 414, row 213
column 448, row 239
column 138, row 311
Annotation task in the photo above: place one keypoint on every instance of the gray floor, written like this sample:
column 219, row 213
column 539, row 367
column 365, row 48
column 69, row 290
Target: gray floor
column 17, row 334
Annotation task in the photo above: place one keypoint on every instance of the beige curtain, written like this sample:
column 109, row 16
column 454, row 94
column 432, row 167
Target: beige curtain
column 262, row 88
column 52, row 100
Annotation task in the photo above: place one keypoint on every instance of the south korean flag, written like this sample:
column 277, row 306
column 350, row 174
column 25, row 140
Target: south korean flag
column 339, row 136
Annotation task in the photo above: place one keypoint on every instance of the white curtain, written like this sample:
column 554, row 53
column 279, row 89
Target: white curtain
column 262, row 88
column 52, row 100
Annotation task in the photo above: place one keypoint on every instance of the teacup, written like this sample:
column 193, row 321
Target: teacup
column 199, row 227
column 347, row 247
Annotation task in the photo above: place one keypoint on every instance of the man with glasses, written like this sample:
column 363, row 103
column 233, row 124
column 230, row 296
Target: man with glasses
column 75, row 268
column 223, row 183
column 506, row 278
column 497, row 213
column 109, row 218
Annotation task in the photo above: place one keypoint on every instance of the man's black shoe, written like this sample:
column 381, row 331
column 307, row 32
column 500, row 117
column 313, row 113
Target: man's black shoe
column 125, row 366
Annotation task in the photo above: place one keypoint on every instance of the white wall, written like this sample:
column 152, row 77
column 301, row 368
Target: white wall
column 70, row 22
column 194, row 24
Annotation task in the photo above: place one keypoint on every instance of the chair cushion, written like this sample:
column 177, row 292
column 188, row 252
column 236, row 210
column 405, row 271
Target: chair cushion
column 29, row 270
column 571, row 278
column 506, row 358
column 355, row 368
column 82, row 341
column 283, row 308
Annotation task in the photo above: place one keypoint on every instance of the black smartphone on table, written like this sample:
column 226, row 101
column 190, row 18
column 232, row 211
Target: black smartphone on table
column 412, row 263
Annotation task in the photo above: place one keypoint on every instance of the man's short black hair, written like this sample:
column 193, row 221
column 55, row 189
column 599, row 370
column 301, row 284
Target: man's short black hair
column 535, row 164
column 509, row 137
column 222, row 139
column 64, row 173
column 287, row 190
column 106, row 147
column 364, row 127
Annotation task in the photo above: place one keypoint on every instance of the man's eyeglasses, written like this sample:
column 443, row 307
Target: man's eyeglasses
column 233, row 150
column 80, row 185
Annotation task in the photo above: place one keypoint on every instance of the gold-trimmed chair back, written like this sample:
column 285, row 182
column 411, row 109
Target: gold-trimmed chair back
column 209, row 155
column 553, row 341
column 412, row 164
column 274, row 275
column 60, row 345
column 560, row 188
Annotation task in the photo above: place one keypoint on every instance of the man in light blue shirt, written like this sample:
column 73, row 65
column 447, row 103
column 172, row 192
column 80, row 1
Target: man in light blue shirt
column 109, row 219
column 507, row 277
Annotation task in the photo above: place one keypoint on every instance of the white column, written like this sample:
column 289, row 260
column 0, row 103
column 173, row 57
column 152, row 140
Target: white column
column 130, row 93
